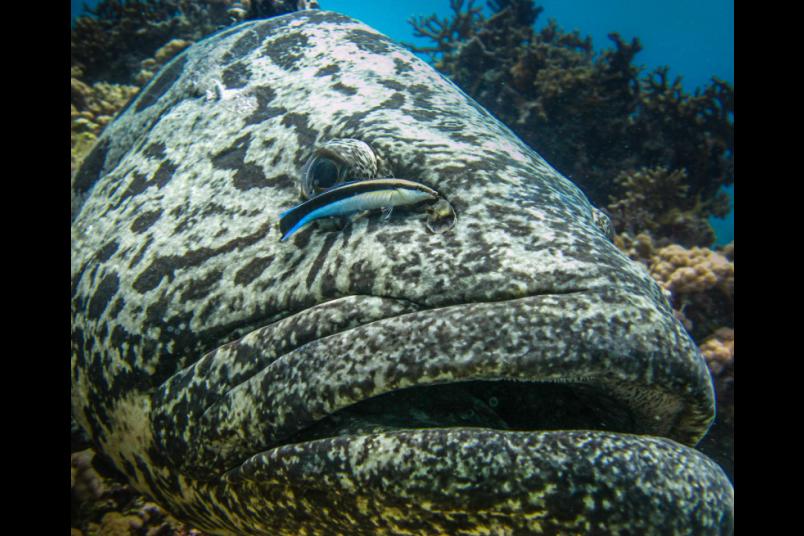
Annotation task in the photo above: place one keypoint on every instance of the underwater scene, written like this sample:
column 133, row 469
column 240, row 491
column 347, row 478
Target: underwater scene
column 420, row 267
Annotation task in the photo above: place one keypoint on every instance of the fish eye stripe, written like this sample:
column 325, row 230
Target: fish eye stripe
column 351, row 197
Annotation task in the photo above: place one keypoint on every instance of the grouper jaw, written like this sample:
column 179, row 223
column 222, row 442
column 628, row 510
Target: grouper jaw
column 577, row 482
column 297, row 373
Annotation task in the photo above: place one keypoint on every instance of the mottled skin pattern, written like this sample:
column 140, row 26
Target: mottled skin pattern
column 204, row 349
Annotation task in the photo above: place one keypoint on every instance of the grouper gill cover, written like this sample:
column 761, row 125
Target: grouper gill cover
column 512, row 374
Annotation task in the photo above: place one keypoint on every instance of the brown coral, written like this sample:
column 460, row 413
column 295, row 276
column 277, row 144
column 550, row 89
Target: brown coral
column 718, row 350
column 657, row 201
column 150, row 66
column 639, row 248
column 701, row 284
column 91, row 109
column 695, row 270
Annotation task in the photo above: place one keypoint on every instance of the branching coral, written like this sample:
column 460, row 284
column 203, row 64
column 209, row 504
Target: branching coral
column 448, row 34
column 657, row 201
column 594, row 117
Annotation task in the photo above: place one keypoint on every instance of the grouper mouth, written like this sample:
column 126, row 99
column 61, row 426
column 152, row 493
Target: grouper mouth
column 364, row 369
column 499, row 405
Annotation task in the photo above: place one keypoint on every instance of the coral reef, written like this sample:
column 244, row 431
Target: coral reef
column 699, row 281
column 656, row 201
column 701, row 285
column 101, row 505
column 595, row 117
column 112, row 41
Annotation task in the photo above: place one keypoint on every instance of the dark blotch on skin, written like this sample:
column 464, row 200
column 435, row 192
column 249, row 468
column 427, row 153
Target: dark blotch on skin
column 370, row 42
column 138, row 256
column 150, row 278
column 395, row 101
column 144, row 221
column 319, row 260
column 106, row 290
column 233, row 156
column 249, row 176
column 466, row 138
column 252, row 270
column 164, row 173
column 287, row 51
column 162, row 83
column 138, row 184
column 236, row 76
column 401, row 66
column 264, row 96
column 92, row 167
column 201, row 287
column 251, row 39
column 307, row 136
column 422, row 114
column 284, row 181
column 328, row 70
column 317, row 16
column 105, row 253
column 392, row 84
column 346, row 90
column 118, row 305
column 155, row 150
column 245, row 44
column 361, row 278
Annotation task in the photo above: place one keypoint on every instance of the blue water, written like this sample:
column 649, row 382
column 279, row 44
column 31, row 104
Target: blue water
column 694, row 37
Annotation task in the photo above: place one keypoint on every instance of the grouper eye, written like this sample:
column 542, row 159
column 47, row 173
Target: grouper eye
column 337, row 161
column 324, row 173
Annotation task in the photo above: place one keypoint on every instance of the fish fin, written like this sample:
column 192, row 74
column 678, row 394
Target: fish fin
column 283, row 223
column 386, row 213
column 292, row 230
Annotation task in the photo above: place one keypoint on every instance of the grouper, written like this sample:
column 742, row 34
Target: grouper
column 493, row 365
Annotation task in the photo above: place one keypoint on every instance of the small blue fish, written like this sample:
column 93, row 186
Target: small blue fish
column 353, row 197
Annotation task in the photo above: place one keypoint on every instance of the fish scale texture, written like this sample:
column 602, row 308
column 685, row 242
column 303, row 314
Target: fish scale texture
column 201, row 343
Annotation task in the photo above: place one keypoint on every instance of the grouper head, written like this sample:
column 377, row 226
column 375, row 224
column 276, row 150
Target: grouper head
column 508, row 372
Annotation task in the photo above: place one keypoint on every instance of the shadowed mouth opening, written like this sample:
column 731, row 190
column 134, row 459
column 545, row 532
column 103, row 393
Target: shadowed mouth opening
column 502, row 405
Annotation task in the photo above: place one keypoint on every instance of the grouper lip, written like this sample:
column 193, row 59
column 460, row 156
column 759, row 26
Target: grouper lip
column 566, row 482
column 549, row 337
